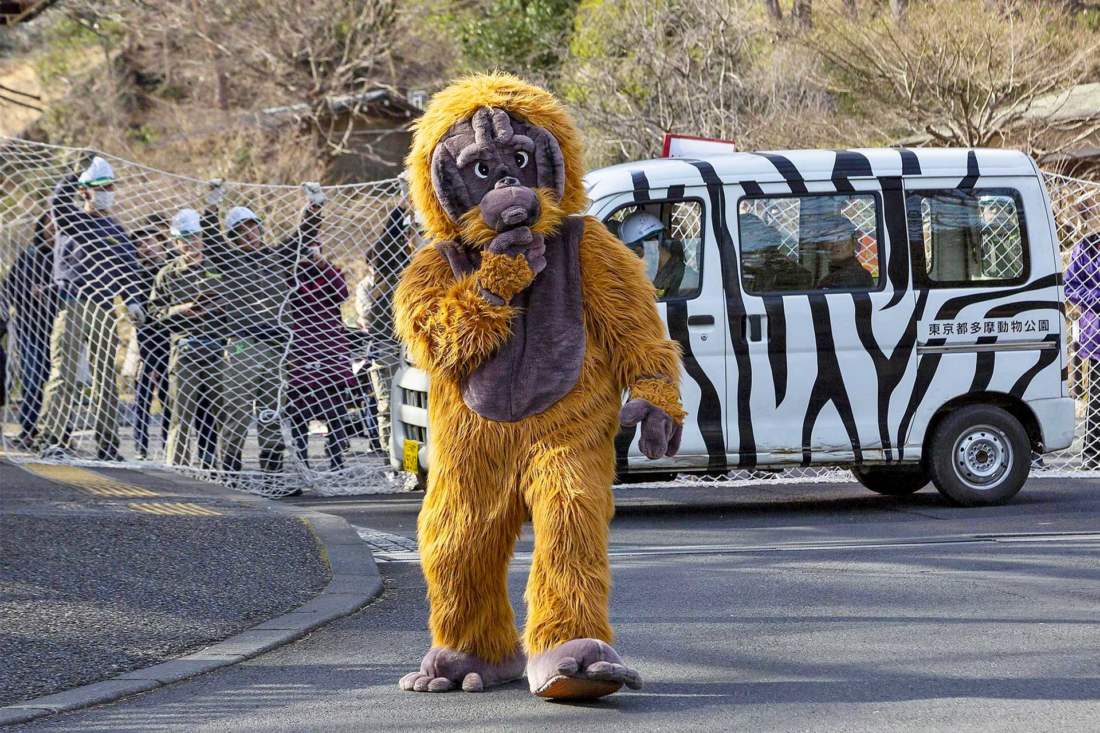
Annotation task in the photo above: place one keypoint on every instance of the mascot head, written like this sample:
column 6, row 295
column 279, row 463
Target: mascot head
column 490, row 153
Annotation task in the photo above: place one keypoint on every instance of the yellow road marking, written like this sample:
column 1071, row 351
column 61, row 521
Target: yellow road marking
column 87, row 481
column 97, row 484
column 173, row 508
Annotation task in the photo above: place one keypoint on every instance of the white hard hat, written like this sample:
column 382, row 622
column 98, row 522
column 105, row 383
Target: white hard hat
column 185, row 223
column 639, row 226
column 99, row 173
column 240, row 214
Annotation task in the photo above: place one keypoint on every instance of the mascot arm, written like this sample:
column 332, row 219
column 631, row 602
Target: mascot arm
column 448, row 324
column 621, row 303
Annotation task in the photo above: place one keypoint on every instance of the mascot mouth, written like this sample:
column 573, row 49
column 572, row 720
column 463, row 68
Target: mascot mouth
column 536, row 208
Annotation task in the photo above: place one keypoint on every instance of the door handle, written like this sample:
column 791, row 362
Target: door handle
column 752, row 327
column 703, row 320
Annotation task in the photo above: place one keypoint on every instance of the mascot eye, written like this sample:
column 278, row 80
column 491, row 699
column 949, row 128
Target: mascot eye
column 481, row 170
column 521, row 159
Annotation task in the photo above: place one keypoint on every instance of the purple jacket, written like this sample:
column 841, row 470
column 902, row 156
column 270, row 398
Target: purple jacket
column 1082, row 283
column 320, row 352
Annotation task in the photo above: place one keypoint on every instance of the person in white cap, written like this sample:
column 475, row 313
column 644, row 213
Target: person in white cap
column 187, row 299
column 258, row 283
column 94, row 261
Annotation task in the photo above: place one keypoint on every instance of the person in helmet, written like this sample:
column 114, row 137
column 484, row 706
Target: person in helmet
column 186, row 301
column 664, row 257
column 258, row 280
column 94, row 261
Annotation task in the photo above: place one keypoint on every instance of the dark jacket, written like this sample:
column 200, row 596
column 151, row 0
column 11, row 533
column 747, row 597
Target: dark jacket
column 847, row 274
column 256, row 283
column 320, row 348
column 93, row 258
column 152, row 336
column 28, row 288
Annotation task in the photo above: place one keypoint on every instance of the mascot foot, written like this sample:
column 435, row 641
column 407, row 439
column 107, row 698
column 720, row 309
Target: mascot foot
column 581, row 669
column 444, row 669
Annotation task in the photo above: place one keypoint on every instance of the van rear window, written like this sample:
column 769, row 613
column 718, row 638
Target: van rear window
column 809, row 243
column 967, row 237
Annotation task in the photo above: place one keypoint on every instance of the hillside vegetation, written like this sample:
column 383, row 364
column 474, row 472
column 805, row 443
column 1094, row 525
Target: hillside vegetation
column 189, row 85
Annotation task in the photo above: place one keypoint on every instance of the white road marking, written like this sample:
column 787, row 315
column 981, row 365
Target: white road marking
column 408, row 554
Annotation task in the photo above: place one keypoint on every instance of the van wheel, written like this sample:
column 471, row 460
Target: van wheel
column 979, row 455
column 891, row 480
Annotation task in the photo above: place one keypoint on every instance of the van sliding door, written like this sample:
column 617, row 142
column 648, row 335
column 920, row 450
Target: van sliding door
column 825, row 325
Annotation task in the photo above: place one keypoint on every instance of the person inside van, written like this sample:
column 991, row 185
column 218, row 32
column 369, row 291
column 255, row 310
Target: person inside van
column 664, row 256
column 837, row 237
column 767, row 268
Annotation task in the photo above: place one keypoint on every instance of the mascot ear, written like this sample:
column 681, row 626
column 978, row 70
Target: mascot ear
column 551, row 165
column 447, row 181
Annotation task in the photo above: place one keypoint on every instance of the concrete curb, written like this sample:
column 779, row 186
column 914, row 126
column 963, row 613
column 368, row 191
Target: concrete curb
column 355, row 582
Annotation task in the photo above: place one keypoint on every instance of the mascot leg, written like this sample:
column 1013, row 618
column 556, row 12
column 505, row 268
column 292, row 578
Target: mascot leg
column 468, row 524
column 568, row 634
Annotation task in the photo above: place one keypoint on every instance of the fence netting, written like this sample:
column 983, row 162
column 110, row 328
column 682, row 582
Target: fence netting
column 255, row 346
column 250, row 341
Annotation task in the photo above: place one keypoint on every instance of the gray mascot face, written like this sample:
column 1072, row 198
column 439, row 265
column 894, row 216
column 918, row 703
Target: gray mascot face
column 494, row 151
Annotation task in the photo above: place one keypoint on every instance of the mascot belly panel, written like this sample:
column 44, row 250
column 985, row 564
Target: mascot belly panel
column 531, row 322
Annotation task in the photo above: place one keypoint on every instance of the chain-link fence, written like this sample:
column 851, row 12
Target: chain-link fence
column 252, row 344
column 264, row 360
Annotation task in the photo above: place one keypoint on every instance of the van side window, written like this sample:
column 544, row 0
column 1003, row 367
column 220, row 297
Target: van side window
column 967, row 238
column 807, row 243
column 668, row 236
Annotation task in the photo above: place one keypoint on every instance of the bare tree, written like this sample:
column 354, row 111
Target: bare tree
column 705, row 67
column 961, row 72
column 802, row 14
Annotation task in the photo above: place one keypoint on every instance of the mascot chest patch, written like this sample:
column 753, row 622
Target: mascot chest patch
column 541, row 361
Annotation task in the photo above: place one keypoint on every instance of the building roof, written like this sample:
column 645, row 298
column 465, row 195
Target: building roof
column 809, row 165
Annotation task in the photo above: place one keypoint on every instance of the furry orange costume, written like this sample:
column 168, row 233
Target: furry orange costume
column 499, row 455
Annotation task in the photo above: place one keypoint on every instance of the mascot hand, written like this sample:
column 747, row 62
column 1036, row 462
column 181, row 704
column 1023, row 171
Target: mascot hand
column 660, row 433
column 521, row 241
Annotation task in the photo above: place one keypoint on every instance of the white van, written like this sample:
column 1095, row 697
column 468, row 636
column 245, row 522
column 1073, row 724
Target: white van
column 930, row 347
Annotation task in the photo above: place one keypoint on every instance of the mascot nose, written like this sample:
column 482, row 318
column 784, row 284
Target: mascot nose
column 506, row 182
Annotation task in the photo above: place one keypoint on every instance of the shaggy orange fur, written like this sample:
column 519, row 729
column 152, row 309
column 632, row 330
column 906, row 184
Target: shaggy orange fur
column 555, row 467
column 661, row 394
column 504, row 275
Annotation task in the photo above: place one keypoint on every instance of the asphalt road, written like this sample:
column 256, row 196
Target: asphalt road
column 93, row 583
column 805, row 608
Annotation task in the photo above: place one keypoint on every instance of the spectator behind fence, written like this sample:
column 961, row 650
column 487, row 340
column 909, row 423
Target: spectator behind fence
column 257, row 286
column 386, row 260
column 28, row 296
column 1082, row 284
column 319, row 373
column 188, row 301
column 94, row 261
column 152, row 338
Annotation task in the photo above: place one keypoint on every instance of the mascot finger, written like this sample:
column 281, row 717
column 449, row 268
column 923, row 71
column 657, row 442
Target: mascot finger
column 633, row 412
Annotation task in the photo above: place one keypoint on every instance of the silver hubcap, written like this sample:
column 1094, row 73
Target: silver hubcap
column 983, row 456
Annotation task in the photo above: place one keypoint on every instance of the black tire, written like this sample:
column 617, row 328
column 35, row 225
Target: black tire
column 979, row 455
column 892, row 480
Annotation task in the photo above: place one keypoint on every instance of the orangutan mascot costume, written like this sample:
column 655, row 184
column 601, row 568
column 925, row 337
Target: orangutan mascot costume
column 532, row 322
